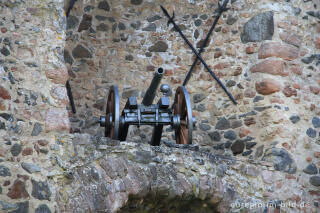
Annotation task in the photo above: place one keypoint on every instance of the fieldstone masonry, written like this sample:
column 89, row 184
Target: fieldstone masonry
column 263, row 150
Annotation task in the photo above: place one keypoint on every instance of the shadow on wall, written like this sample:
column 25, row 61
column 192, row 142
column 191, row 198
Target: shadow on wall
column 157, row 204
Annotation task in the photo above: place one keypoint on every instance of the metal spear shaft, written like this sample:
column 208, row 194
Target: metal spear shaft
column 197, row 54
column 222, row 8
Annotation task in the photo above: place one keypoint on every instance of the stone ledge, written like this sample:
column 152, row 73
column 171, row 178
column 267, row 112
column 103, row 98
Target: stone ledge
column 114, row 176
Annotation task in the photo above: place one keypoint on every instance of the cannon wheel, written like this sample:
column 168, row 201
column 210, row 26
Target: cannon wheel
column 112, row 113
column 182, row 107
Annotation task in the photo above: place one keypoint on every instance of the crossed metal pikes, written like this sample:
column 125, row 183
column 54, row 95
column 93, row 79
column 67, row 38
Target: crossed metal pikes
column 222, row 8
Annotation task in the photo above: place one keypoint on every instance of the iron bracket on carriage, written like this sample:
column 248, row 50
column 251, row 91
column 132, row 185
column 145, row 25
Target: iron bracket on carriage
column 179, row 116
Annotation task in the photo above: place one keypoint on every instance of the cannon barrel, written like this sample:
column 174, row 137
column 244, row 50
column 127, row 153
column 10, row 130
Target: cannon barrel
column 151, row 92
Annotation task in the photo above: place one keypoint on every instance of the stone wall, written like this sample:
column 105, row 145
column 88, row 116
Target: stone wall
column 266, row 53
column 265, row 149
column 32, row 101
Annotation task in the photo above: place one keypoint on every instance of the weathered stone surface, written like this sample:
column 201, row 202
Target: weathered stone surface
column 150, row 28
column 237, row 147
column 159, row 46
column 197, row 98
column 103, row 27
column 27, row 151
column 43, row 208
column 258, row 28
column 104, row 5
column 204, row 127
column 40, row 190
column 267, row 87
column 294, row 118
column 37, row 129
column 136, row 2
column 8, row 206
column 130, row 93
column 86, row 22
column 215, row 136
column 72, row 22
column 315, row 180
column 58, row 76
column 281, row 159
column 23, row 207
column 311, row 169
column 312, row 133
column 5, row 51
column 30, row 167
column 81, row 52
column 4, row 93
column 289, row 91
column 275, row 49
column 4, row 171
column 60, row 93
column 18, row 190
column 16, row 149
column 57, row 120
column 267, row 177
column 291, row 38
column 67, row 57
column 230, row 134
column 316, row 122
column 223, row 124
column 270, row 66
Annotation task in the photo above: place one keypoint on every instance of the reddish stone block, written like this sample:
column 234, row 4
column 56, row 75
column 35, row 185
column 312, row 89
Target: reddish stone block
column 168, row 73
column 267, row 87
column 291, row 38
column 250, row 50
column 4, row 93
column 270, row 66
column 275, row 49
column 18, row 190
column 317, row 43
column 314, row 90
column 296, row 86
column 312, row 107
column 316, row 154
column 58, row 76
column 238, row 71
column 3, row 29
column 27, row 151
column 309, row 159
column 290, row 177
column 249, row 121
column 243, row 132
column 43, row 142
column 276, row 100
column 57, row 120
column 221, row 66
column 288, row 91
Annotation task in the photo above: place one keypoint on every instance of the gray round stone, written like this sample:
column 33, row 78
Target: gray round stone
column 294, row 118
column 311, row 133
column 315, row 180
column 16, row 149
column 43, row 208
column 230, row 134
column 316, row 122
column 311, row 169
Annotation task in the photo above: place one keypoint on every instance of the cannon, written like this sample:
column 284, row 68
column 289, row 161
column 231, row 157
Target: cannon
column 179, row 116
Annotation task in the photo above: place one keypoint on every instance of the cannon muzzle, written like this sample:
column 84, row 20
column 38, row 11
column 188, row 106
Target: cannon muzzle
column 152, row 90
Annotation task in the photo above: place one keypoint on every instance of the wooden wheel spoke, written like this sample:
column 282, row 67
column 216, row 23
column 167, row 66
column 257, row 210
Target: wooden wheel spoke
column 182, row 107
